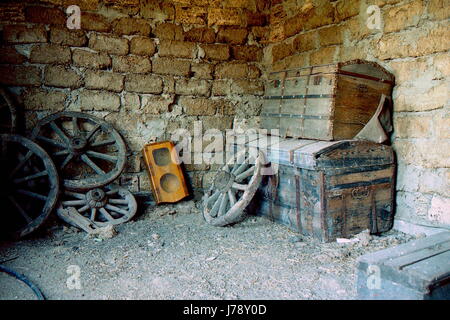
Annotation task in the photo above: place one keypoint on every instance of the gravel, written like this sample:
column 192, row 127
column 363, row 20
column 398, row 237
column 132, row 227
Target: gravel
column 170, row 252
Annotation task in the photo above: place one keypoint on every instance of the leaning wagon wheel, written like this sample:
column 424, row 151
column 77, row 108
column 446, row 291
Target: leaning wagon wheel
column 233, row 188
column 30, row 185
column 88, row 151
column 110, row 205
column 8, row 113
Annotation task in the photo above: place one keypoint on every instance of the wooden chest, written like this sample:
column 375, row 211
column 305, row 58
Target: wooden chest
column 328, row 102
column 325, row 189
column 418, row 270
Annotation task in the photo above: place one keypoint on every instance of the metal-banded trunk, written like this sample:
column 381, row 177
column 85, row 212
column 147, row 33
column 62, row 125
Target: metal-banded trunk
column 327, row 189
column 328, row 102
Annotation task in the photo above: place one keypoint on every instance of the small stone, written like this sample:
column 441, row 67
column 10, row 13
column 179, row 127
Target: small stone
column 295, row 239
column 156, row 236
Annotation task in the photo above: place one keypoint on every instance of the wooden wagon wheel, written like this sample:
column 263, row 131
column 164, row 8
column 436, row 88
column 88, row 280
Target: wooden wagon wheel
column 233, row 188
column 110, row 205
column 8, row 113
column 30, row 185
column 88, row 152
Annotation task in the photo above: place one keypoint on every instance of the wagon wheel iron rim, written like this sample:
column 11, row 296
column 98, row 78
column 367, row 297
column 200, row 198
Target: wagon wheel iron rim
column 110, row 205
column 30, row 183
column 88, row 152
column 8, row 113
column 233, row 188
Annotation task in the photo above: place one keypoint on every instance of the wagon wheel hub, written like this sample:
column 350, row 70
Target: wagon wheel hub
column 223, row 181
column 78, row 144
column 96, row 198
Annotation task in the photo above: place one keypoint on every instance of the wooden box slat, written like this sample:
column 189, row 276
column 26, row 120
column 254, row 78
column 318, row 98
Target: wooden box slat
column 329, row 102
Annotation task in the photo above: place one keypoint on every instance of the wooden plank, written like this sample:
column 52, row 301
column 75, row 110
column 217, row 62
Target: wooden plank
column 414, row 257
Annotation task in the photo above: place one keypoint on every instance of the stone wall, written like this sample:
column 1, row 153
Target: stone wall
column 413, row 44
column 147, row 66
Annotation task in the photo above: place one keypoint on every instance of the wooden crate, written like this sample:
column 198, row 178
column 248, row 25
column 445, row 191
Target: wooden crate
column 329, row 102
column 325, row 189
column 418, row 270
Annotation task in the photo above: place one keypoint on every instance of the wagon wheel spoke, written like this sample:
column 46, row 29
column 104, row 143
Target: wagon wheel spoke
column 98, row 206
column 245, row 174
column 20, row 209
column 21, row 164
column 9, row 113
column 232, row 197
column 91, row 164
column 103, row 143
column 32, row 185
column 92, row 141
column 215, row 207
column 223, row 205
column 31, row 177
column 239, row 186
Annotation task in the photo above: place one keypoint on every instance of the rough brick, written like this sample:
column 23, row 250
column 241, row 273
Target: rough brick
column 254, row 19
column 109, row 44
column 281, row 51
column 442, row 63
column 292, row 26
column 157, row 11
column 306, row 42
column 50, row 53
column 9, row 55
column 45, row 15
column 247, row 53
column 198, row 106
column 408, row 70
column 94, row 22
column 225, row 17
column 202, row 70
column 20, row 76
column 430, row 95
column 321, row 14
column 104, row 80
column 234, row 70
column 131, row 102
column 24, row 34
column 130, row 26
column 66, row 37
column 439, row 210
column 402, row 17
column 130, row 7
column 216, row 51
column 277, row 14
column 181, row 49
column 169, row 31
column 261, row 34
column 92, row 60
column 190, row 15
column 357, row 30
column 37, row 99
column 143, row 83
column 346, row 9
column 296, row 61
column 232, row 35
column 324, row 55
column 12, row 12
column 94, row 100
column 215, row 122
column 426, row 153
column 433, row 41
column 439, row 9
column 171, row 66
column 202, row 35
column 142, row 46
column 247, row 87
column 412, row 127
column 442, row 127
column 192, row 87
column 132, row 64
column 331, row 35
column 83, row 4
column 403, row 48
column 62, row 77
column 156, row 104
column 221, row 88
column 358, row 51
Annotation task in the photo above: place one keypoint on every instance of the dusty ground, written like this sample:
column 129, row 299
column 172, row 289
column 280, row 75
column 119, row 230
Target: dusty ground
column 171, row 253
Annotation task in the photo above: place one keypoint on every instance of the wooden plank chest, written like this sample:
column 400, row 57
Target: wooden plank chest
column 418, row 270
column 325, row 189
column 328, row 102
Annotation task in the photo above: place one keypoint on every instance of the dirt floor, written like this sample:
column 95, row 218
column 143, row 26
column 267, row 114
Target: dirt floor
column 171, row 253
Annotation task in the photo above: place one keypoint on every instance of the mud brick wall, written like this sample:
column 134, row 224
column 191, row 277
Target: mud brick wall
column 148, row 67
column 413, row 43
